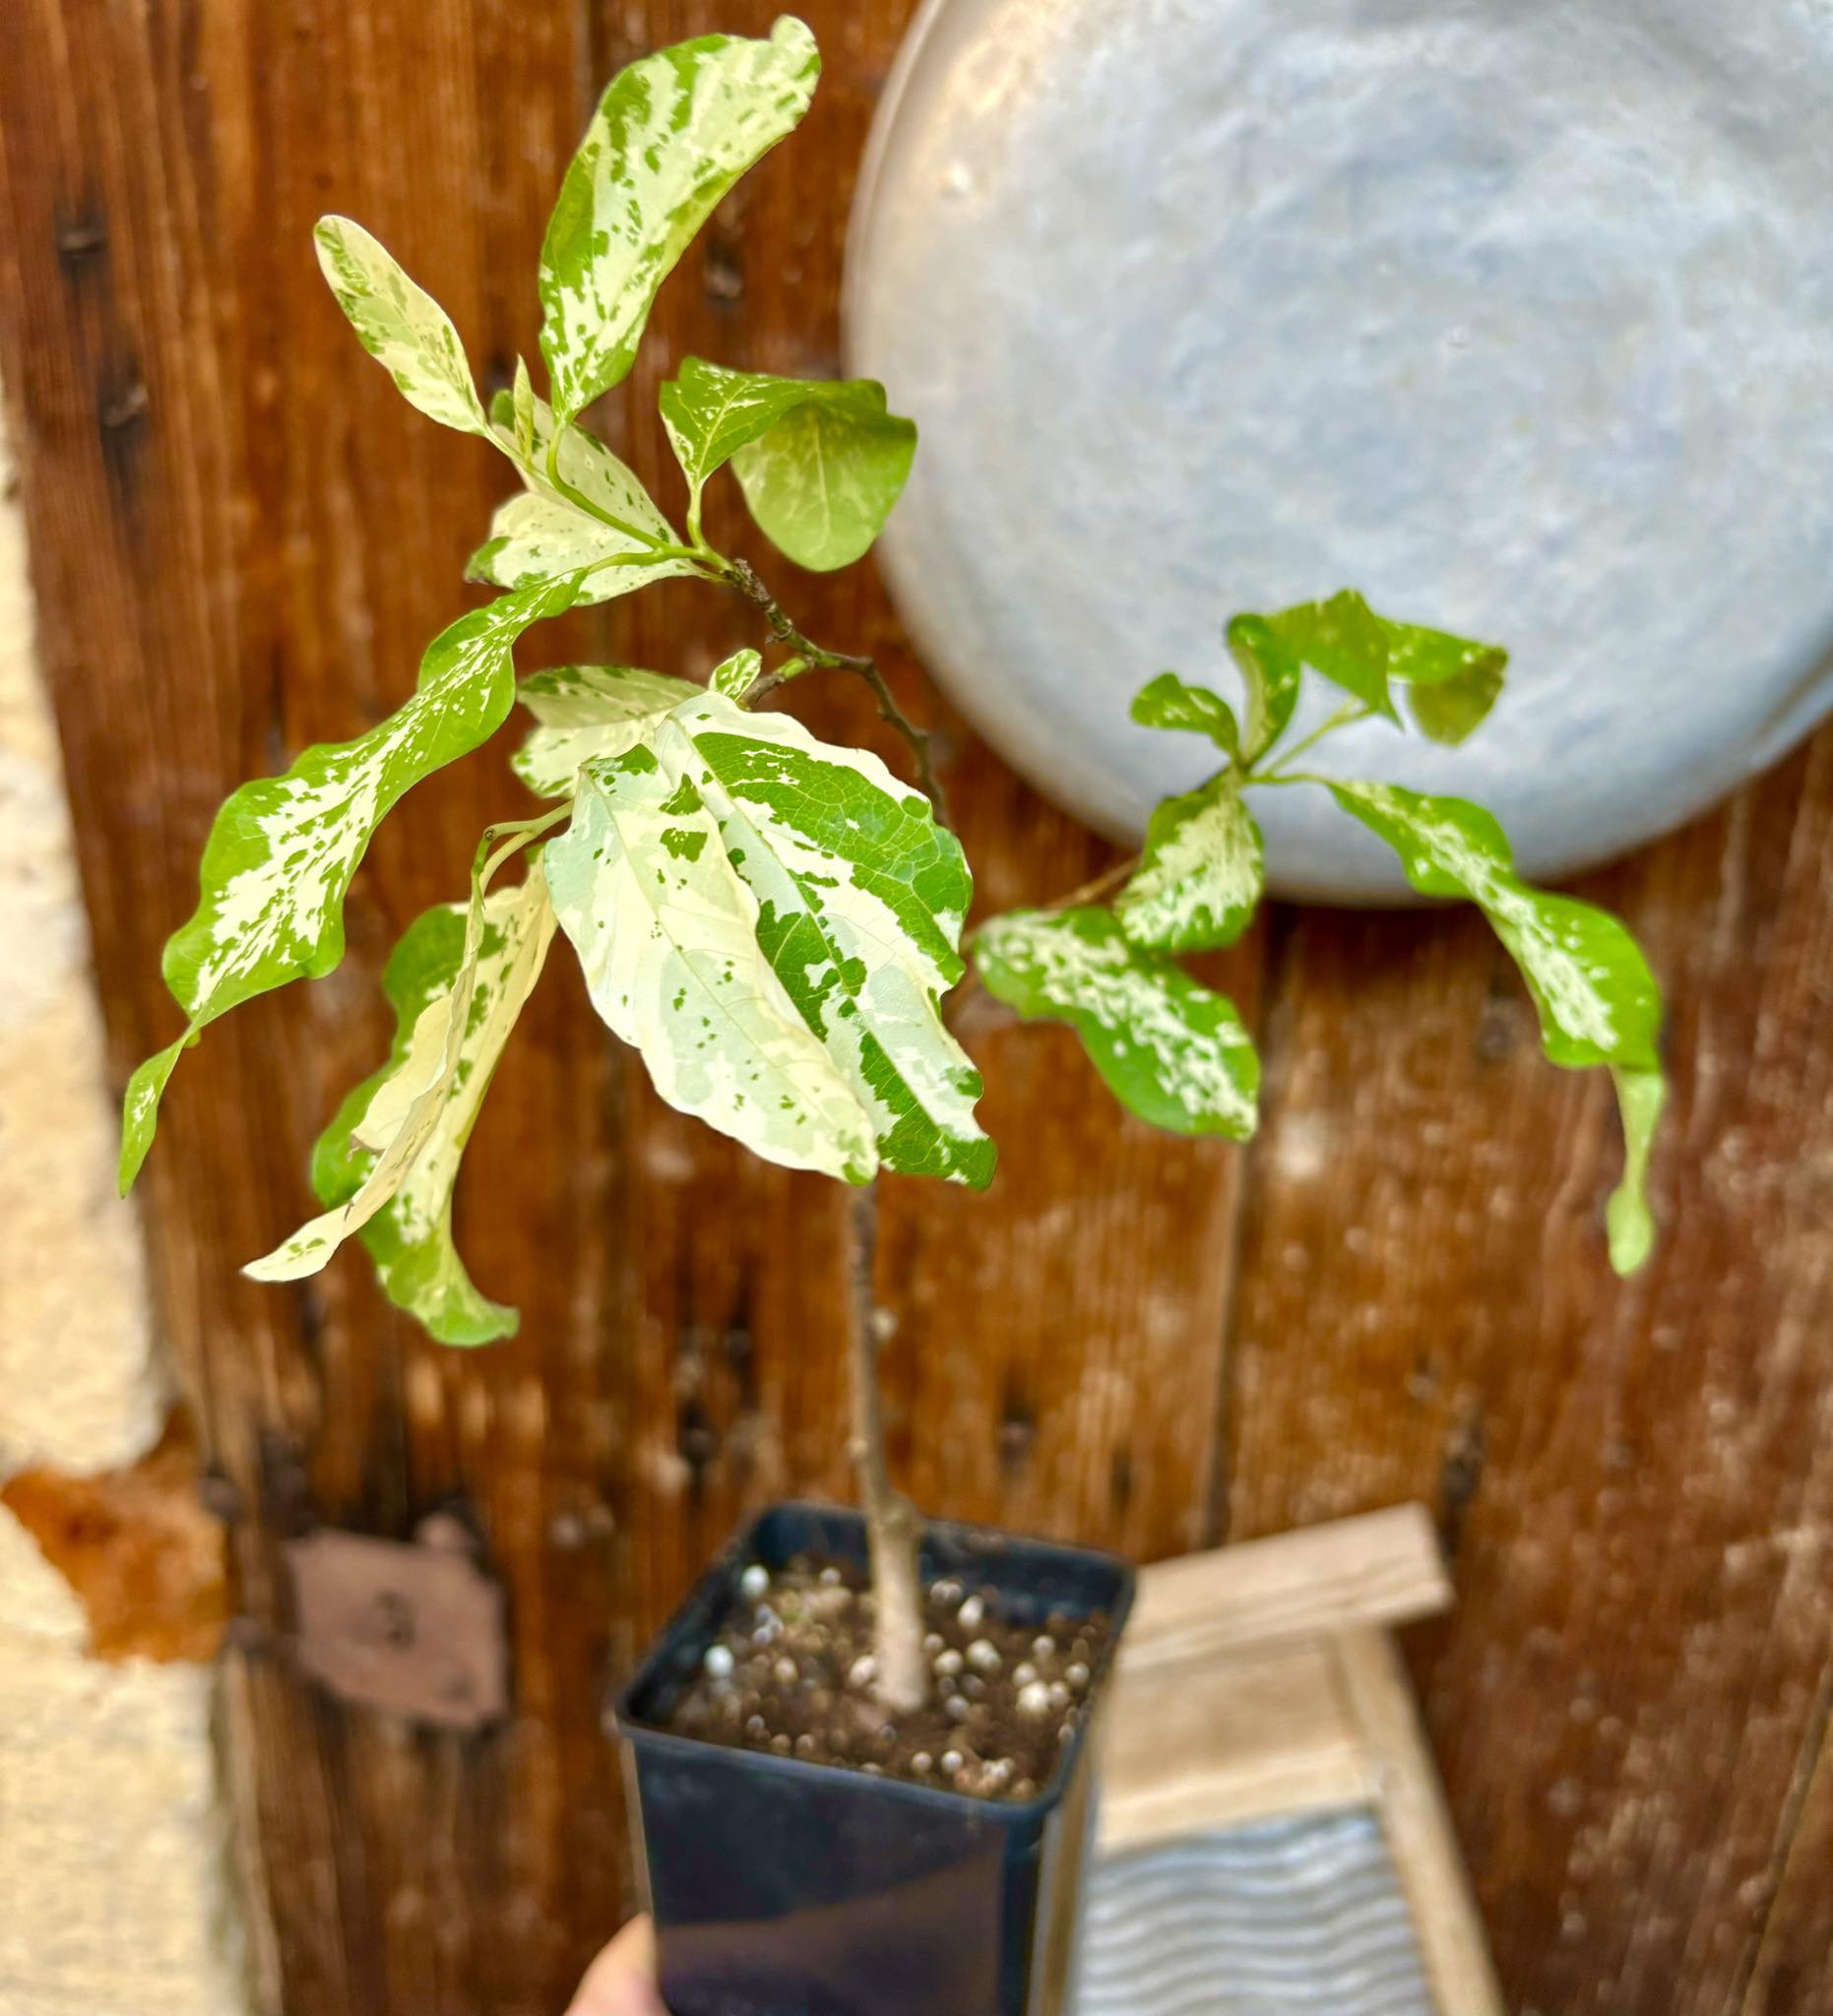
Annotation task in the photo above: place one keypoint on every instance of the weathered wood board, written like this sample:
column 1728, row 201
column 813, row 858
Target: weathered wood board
column 241, row 538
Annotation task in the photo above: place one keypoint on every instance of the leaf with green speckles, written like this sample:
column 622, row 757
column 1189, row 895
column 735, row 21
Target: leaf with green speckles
column 861, row 898
column 826, row 460
column 1167, row 702
column 667, row 939
column 1172, row 1051
column 282, row 849
column 1201, row 875
column 399, row 325
column 1598, row 1001
column 545, row 531
column 587, row 710
column 823, row 480
column 734, row 676
column 387, row 1164
column 672, row 134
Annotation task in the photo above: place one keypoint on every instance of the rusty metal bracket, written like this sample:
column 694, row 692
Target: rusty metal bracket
column 416, row 1628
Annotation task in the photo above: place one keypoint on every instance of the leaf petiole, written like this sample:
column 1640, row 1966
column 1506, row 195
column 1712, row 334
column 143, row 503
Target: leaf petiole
column 1351, row 712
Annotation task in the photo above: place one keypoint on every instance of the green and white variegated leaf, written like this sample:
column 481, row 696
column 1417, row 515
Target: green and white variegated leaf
column 522, row 412
column 672, row 134
column 733, row 676
column 824, row 479
column 1167, row 702
column 1201, row 875
column 729, row 826
column 282, row 849
column 860, row 901
column 827, row 484
column 402, row 1116
column 399, row 325
column 1172, row 1051
column 587, row 710
column 1271, row 672
column 583, row 507
column 140, row 1108
column 1628, row 1221
column 410, row 1236
column 666, row 930
column 1598, row 1001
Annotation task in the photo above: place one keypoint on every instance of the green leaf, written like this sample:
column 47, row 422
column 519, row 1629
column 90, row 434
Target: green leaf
column 1598, row 1001
column 1171, row 1050
column 588, row 711
column 860, row 901
column 282, row 849
column 1201, row 875
column 1343, row 639
column 712, row 413
column 1271, row 672
column 770, row 919
column 582, row 508
column 1640, row 1094
column 823, row 479
column 672, row 134
column 410, row 1236
column 665, row 930
column 140, row 1109
column 399, row 325
column 733, row 677
column 1167, row 702
column 522, row 412
column 1452, row 682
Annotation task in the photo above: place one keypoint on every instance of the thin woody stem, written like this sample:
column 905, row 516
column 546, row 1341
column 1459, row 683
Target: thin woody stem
column 892, row 1528
column 783, row 630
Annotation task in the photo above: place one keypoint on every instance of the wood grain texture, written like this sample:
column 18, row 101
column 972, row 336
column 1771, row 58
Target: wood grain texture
column 241, row 538
column 1635, row 1481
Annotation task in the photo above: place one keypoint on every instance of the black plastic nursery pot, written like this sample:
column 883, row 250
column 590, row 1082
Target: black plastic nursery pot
column 782, row 1887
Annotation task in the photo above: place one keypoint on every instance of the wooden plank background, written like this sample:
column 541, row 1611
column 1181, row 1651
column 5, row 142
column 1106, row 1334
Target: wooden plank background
column 241, row 539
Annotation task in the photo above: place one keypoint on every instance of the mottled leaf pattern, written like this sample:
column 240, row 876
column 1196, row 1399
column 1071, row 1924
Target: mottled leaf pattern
column 583, row 507
column 737, row 829
column 666, row 933
column 823, row 486
column 823, row 480
column 1167, row 702
column 282, row 849
column 140, row 1109
column 399, row 325
column 1171, row 1050
column 1597, row 1000
column 431, row 1086
column 860, row 897
column 1201, row 874
column 588, row 711
column 410, row 1236
column 672, row 134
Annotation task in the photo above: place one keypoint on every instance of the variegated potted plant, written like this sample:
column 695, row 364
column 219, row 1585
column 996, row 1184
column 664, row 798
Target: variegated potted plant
column 862, row 1748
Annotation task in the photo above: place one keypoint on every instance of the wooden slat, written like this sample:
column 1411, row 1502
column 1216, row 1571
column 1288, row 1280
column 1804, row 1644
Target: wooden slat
column 1793, row 1967
column 1379, row 1701
column 1636, row 1481
column 1383, row 1568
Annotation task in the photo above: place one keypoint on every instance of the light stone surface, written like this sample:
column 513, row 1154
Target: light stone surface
column 80, row 1388
column 115, row 1894
column 1516, row 318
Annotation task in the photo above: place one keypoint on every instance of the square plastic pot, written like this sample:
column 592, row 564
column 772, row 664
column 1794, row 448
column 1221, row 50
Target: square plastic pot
column 786, row 1888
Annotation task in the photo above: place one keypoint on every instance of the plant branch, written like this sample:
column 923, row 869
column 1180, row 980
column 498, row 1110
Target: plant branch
column 892, row 1528
column 1351, row 711
column 783, row 630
